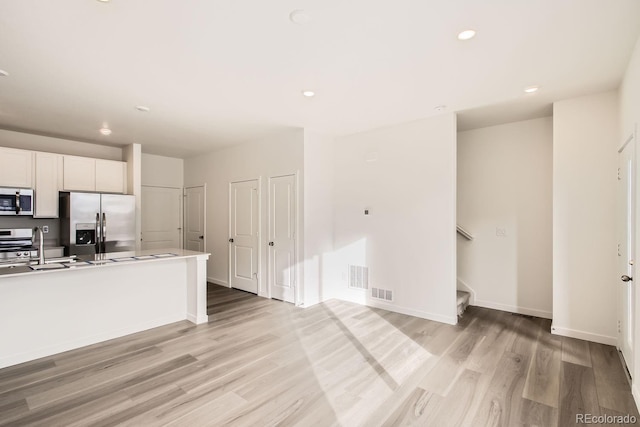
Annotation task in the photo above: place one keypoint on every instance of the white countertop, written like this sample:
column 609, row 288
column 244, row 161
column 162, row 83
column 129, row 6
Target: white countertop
column 181, row 253
column 107, row 260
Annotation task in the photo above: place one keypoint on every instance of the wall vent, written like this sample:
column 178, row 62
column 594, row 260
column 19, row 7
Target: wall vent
column 358, row 277
column 383, row 294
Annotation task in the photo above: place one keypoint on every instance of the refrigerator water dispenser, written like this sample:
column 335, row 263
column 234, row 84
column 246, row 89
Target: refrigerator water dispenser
column 85, row 234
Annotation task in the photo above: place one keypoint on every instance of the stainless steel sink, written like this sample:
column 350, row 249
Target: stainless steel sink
column 14, row 263
column 34, row 263
column 66, row 259
column 49, row 266
column 15, row 269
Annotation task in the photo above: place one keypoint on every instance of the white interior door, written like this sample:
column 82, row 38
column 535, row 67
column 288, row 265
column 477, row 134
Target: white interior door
column 194, row 219
column 161, row 217
column 244, row 228
column 282, row 237
column 626, row 221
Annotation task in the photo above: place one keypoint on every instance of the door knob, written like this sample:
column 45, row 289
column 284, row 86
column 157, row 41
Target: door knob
column 201, row 237
column 271, row 243
column 230, row 240
column 626, row 278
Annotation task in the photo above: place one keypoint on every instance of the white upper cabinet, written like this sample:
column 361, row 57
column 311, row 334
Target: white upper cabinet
column 49, row 173
column 46, row 185
column 79, row 174
column 111, row 176
column 16, row 168
column 87, row 174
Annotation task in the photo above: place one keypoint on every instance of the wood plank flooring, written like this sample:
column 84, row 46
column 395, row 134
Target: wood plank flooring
column 263, row 362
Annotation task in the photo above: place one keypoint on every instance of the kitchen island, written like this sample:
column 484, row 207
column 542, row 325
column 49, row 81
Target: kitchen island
column 44, row 312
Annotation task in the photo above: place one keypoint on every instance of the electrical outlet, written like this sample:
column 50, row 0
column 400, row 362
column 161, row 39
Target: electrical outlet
column 45, row 229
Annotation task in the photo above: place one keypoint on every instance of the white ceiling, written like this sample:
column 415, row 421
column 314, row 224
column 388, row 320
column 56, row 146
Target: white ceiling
column 220, row 72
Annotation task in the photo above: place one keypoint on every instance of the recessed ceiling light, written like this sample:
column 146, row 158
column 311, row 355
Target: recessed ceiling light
column 299, row 17
column 308, row 93
column 466, row 34
column 142, row 108
column 3, row 73
column 531, row 89
column 103, row 1
column 440, row 107
column 105, row 131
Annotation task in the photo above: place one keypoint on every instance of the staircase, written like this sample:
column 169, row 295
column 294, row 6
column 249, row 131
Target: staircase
column 462, row 297
column 462, row 301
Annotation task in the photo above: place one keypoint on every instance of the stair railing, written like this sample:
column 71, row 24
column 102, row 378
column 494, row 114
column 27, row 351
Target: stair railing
column 464, row 233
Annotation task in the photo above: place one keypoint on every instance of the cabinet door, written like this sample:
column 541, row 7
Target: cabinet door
column 110, row 176
column 46, row 185
column 79, row 173
column 15, row 168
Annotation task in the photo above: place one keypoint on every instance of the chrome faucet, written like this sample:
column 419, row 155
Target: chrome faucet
column 40, row 245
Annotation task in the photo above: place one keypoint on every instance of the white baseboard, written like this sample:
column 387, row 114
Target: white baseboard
column 451, row 320
column 636, row 394
column 310, row 303
column 307, row 304
column 197, row 320
column 514, row 309
column 37, row 353
column 582, row 335
column 218, row 282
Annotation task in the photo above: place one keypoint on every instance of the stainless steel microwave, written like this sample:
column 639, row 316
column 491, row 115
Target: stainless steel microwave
column 16, row 201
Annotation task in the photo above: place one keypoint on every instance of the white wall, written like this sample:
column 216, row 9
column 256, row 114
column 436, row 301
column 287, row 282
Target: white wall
column 318, row 215
column 277, row 155
column 630, row 95
column 629, row 120
column 408, row 241
column 132, row 154
column 161, row 171
column 505, row 182
column 28, row 141
column 585, row 142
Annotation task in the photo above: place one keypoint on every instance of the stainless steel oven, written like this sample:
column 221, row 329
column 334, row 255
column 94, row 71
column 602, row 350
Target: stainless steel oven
column 16, row 244
column 16, row 201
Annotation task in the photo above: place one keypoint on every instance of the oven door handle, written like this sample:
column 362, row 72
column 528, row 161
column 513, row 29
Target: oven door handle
column 17, row 202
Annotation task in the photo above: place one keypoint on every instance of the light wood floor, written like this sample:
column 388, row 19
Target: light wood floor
column 263, row 362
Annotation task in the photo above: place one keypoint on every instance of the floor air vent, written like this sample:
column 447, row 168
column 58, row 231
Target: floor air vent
column 358, row 277
column 384, row 294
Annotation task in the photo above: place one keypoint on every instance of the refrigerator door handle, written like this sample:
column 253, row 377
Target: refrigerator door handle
column 97, row 242
column 104, row 232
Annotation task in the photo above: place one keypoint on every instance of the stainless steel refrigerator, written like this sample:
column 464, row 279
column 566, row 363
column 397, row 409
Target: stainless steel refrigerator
column 92, row 223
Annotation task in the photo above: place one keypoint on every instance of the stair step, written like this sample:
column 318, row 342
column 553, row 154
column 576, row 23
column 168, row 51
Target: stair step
column 462, row 297
column 462, row 301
